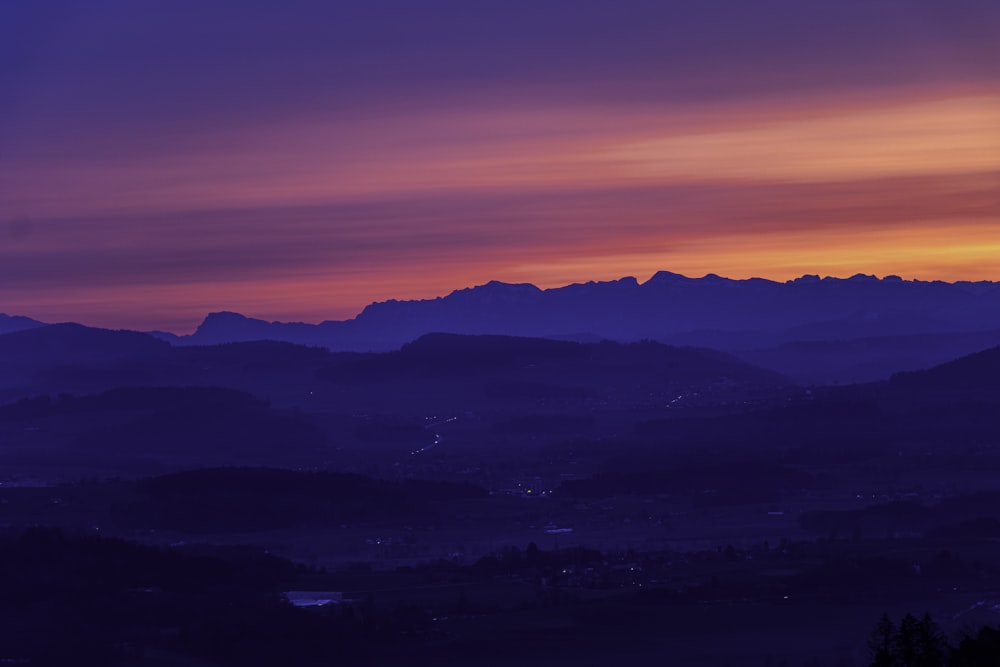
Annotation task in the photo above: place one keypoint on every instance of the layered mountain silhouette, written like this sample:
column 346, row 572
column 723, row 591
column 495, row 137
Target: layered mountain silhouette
column 73, row 358
column 127, row 402
column 71, row 343
column 709, row 311
column 811, row 329
column 974, row 377
column 865, row 359
column 10, row 324
column 415, row 442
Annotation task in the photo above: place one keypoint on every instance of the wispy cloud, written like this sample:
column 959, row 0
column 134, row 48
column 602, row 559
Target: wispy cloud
column 304, row 163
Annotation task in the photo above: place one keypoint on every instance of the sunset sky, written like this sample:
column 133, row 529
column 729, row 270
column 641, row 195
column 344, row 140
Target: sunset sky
column 297, row 160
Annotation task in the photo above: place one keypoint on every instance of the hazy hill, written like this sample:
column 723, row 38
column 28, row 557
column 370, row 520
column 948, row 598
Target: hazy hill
column 973, row 377
column 283, row 404
column 948, row 409
column 484, row 372
column 72, row 357
column 10, row 324
column 865, row 359
column 76, row 359
column 74, row 343
column 70, row 343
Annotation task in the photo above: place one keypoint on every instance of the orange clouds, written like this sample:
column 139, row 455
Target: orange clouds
column 960, row 252
column 313, row 220
column 938, row 137
column 324, row 160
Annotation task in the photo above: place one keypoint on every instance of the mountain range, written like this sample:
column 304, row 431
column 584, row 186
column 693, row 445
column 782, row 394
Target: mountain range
column 709, row 311
column 812, row 329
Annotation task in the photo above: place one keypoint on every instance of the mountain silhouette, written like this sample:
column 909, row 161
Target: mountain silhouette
column 523, row 363
column 710, row 311
column 972, row 377
column 72, row 357
column 71, row 343
column 813, row 330
column 865, row 359
column 10, row 324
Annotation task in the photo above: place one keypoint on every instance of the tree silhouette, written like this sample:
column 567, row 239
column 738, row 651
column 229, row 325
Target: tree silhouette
column 906, row 641
column 881, row 643
column 979, row 651
column 913, row 643
column 931, row 644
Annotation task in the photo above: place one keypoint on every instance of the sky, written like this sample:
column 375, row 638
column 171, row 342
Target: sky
column 297, row 160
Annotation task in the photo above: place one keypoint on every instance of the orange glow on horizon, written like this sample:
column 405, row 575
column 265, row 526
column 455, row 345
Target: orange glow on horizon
column 307, row 223
column 965, row 251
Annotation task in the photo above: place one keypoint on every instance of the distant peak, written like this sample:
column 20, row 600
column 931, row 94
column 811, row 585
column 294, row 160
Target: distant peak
column 498, row 285
column 72, row 326
column 225, row 315
column 12, row 323
column 714, row 279
column 220, row 321
column 666, row 278
column 496, row 288
column 862, row 278
column 670, row 278
column 627, row 281
column 857, row 278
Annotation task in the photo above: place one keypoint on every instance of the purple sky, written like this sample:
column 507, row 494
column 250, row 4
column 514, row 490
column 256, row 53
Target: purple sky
column 297, row 160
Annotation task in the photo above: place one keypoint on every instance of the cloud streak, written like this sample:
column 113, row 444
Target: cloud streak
column 305, row 163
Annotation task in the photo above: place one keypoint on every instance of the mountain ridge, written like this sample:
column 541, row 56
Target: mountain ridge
column 14, row 323
column 216, row 323
column 816, row 329
column 669, row 307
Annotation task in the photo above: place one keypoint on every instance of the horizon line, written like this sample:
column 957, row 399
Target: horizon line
column 711, row 275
